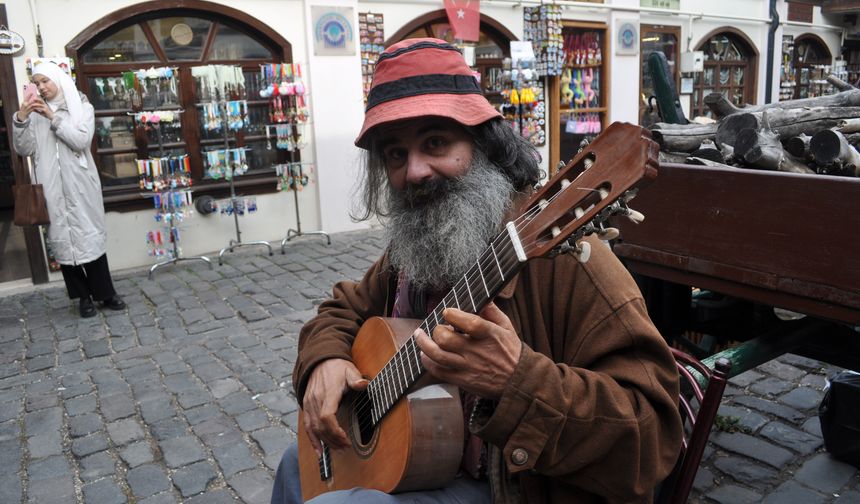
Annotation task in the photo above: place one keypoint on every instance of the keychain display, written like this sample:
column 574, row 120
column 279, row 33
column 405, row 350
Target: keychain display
column 239, row 206
column 287, row 136
column 158, row 174
column 156, row 241
column 293, row 176
column 219, row 81
column 172, row 206
column 148, row 87
column 236, row 110
column 524, row 101
column 282, row 85
column 542, row 26
column 226, row 163
column 371, row 31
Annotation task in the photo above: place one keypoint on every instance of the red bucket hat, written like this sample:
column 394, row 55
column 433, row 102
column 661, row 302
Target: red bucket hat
column 423, row 77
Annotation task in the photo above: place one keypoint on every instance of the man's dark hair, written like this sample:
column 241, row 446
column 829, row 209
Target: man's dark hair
column 517, row 159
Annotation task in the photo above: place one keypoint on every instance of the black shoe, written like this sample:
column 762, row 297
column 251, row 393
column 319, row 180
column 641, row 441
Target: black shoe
column 87, row 308
column 114, row 303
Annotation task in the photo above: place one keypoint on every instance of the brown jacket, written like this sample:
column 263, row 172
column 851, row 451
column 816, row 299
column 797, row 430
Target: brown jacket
column 590, row 414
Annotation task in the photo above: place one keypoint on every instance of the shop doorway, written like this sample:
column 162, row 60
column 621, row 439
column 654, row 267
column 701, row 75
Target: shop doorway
column 664, row 39
column 730, row 69
column 21, row 254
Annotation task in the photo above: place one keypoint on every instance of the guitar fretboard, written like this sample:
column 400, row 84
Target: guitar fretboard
column 472, row 292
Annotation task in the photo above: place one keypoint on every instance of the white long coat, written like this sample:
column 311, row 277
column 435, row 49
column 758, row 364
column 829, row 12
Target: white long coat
column 73, row 192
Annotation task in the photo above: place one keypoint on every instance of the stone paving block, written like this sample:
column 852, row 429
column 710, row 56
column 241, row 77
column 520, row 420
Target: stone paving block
column 44, row 445
column 800, row 361
column 43, row 421
column 781, row 370
column 192, row 398
column 136, row 454
column 117, row 406
column 104, row 491
column 156, row 409
column 812, row 426
column 850, row 497
column 96, row 348
column 180, row 382
column 704, row 479
column 273, row 441
column 803, row 398
column 10, row 487
column 181, row 451
column 753, row 447
column 258, row 382
column 252, row 420
column 224, row 387
column 40, row 363
column 279, row 401
column 79, row 405
column 791, row 438
column 770, row 407
column 52, row 491
column 41, row 401
column 771, row 386
column 147, row 480
column 236, row 403
column 218, row 431
column 76, row 390
column 746, row 472
column 168, row 428
column 83, row 446
column 82, row 425
column 792, row 493
column 10, row 430
column 97, row 465
column 47, row 468
column 291, row 420
column 253, row 487
column 124, row 431
column 193, row 479
column 746, row 378
column 220, row 496
column 201, row 414
column 733, row 494
column 824, row 473
column 746, row 417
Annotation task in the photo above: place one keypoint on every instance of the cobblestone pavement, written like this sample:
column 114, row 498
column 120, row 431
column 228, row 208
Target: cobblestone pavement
column 186, row 395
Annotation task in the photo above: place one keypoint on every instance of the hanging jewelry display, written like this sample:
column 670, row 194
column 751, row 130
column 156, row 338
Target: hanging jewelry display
column 168, row 182
column 283, row 86
column 524, row 104
column 224, row 111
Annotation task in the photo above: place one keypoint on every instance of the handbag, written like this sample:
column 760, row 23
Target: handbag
column 30, row 206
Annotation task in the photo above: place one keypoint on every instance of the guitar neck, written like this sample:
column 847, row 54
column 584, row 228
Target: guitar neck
column 492, row 270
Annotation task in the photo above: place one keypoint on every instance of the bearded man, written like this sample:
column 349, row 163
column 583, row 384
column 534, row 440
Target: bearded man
column 571, row 391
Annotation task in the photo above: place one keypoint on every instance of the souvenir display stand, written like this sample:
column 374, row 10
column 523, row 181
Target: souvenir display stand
column 168, row 178
column 227, row 115
column 234, row 201
column 288, row 114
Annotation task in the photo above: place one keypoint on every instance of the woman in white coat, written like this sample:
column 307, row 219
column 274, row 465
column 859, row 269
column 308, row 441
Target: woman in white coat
column 58, row 137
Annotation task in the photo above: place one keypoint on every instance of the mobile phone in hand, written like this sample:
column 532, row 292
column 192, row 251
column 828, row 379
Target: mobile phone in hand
column 30, row 93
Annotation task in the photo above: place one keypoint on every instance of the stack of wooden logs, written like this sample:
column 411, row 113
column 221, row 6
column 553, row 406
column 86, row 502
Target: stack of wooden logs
column 810, row 135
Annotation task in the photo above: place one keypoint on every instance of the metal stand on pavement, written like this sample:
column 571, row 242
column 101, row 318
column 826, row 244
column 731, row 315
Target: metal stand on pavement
column 295, row 233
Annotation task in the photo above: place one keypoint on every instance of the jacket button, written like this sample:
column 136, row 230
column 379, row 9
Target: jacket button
column 519, row 457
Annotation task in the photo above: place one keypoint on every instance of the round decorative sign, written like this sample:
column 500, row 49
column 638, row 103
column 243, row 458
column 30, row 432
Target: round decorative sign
column 182, row 34
column 10, row 42
column 628, row 38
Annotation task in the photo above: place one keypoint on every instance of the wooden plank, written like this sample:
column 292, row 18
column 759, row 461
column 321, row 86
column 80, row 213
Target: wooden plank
column 781, row 238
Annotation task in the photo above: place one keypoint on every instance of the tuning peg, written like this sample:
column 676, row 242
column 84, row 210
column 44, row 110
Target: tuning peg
column 582, row 252
column 560, row 165
column 634, row 216
column 629, row 195
column 609, row 234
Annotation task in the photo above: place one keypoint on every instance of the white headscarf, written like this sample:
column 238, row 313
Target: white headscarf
column 66, row 86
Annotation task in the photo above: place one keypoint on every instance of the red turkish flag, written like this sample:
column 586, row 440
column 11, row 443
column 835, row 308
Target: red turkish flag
column 465, row 18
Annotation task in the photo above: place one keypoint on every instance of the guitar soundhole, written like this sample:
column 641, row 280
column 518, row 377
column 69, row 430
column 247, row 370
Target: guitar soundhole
column 362, row 428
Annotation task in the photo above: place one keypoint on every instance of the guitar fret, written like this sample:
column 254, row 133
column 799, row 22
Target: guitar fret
column 454, row 291
column 474, row 307
column 415, row 355
column 482, row 278
column 401, row 375
column 435, row 316
column 497, row 261
column 406, row 358
column 374, row 397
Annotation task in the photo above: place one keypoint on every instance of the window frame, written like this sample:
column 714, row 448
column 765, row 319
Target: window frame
column 127, row 197
column 749, row 63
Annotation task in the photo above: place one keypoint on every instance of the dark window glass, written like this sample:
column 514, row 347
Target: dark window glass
column 127, row 45
column 182, row 38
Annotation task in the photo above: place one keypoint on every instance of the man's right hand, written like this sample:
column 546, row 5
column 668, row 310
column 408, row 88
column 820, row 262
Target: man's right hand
column 326, row 386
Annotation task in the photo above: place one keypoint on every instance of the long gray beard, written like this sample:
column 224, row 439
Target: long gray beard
column 436, row 231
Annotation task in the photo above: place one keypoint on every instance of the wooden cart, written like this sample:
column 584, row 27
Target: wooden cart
column 774, row 239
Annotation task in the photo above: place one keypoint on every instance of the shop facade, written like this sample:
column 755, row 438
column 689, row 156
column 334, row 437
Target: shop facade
column 605, row 80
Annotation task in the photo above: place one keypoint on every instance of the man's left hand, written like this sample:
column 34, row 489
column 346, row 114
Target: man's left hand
column 478, row 353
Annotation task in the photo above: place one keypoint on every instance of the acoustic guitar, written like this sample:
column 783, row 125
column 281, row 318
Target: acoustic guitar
column 406, row 431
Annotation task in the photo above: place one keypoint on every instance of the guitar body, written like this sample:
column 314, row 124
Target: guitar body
column 417, row 445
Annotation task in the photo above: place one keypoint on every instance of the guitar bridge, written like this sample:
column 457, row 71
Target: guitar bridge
column 325, row 463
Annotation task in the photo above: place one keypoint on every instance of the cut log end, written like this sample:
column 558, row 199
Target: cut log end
column 826, row 146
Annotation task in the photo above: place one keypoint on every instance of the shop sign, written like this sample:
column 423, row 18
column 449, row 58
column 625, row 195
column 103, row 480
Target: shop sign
column 333, row 31
column 10, row 42
column 661, row 4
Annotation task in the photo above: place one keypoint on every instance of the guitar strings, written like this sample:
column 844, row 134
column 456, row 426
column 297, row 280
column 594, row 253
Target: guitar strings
column 392, row 389
column 392, row 395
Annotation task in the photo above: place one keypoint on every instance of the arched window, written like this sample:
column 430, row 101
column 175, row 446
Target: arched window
column 809, row 58
column 730, row 69
column 191, row 33
column 493, row 45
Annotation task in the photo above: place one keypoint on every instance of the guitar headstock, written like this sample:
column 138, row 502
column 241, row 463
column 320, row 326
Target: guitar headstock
column 596, row 184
